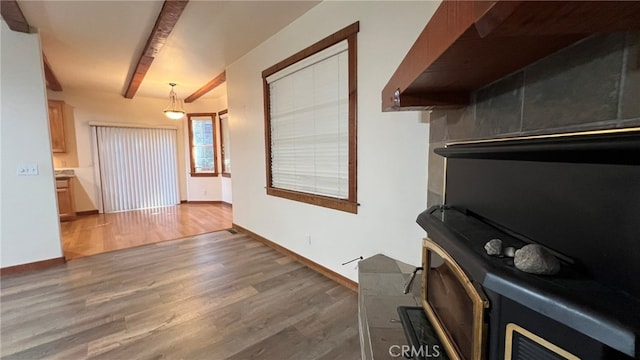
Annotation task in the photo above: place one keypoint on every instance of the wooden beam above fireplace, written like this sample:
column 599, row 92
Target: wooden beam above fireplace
column 469, row 44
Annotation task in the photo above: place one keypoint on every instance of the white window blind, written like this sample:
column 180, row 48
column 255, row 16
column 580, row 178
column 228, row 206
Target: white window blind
column 138, row 167
column 309, row 119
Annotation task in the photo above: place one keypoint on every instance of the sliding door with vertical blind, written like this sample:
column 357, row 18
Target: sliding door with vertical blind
column 138, row 167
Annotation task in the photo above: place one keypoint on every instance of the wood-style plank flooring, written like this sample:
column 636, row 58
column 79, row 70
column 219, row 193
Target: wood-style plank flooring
column 215, row 296
column 95, row 234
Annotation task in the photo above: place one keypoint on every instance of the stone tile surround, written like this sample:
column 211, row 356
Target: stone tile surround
column 591, row 85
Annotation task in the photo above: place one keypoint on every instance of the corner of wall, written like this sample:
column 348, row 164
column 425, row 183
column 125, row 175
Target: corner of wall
column 30, row 230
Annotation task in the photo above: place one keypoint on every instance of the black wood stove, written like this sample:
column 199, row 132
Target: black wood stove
column 576, row 195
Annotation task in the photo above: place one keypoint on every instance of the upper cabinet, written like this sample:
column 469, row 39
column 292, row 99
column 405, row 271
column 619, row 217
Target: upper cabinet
column 56, row 125
column 469, row 44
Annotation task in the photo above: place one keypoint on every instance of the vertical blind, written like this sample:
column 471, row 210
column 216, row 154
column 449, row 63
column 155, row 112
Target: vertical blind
column 138, row 167
column 309, row 124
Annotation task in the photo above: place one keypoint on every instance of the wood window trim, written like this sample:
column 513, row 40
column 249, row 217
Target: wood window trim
column 192, row 166
column 350, row 204
column 223, row 170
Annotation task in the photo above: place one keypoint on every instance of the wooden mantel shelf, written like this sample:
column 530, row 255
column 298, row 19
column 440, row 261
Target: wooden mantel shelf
column 469, row 44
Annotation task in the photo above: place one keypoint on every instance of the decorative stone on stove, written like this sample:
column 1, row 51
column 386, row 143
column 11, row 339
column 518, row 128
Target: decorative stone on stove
column 535, row 259
column 494, row 247
column 531, row 258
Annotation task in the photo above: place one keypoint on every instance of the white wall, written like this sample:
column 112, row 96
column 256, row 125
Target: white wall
column 392, row 147
column 226, row 190
column 29, row 228
column 93, row 106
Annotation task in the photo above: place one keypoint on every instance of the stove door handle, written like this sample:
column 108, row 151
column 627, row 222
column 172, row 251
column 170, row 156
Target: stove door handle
column 407, row 285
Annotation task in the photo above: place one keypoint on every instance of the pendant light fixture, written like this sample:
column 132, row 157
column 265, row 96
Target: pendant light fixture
column 174, row 110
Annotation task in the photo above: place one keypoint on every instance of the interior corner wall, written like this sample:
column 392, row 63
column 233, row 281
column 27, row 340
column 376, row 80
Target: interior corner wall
column 392, row 147
column 227, row 196
column 29, row 227
column 96, row 106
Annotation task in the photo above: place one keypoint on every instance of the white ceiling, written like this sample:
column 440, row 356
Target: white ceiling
column 95, row 45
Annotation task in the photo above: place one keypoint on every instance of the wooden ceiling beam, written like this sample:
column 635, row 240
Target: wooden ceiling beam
column 167, row 19
column 50, row 77
column 12, row 14
column 207, row 87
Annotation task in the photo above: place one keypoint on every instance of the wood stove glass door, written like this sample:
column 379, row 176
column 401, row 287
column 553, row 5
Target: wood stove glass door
column 454, row 305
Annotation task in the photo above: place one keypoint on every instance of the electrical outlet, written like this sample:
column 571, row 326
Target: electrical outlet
column 308, row 238
column 27, row 170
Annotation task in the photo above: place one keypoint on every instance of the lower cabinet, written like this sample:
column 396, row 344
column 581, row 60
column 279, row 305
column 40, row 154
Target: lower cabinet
column 64, row 189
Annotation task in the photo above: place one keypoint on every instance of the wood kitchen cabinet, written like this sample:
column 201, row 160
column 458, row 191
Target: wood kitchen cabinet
column 64, row 190
column 56, row 126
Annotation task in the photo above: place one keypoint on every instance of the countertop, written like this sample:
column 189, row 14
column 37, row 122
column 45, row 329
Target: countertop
column 64, row 173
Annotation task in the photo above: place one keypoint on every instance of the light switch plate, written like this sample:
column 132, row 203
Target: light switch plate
column 27, row 169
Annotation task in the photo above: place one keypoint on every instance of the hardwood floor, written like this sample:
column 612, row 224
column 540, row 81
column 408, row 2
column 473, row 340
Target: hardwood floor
column 95, row 234
column 214, row 296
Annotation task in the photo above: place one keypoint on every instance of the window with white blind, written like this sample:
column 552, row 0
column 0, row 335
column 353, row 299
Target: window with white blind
column 310, row 120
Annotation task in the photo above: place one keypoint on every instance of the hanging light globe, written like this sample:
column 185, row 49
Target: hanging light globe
column 174, row 110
